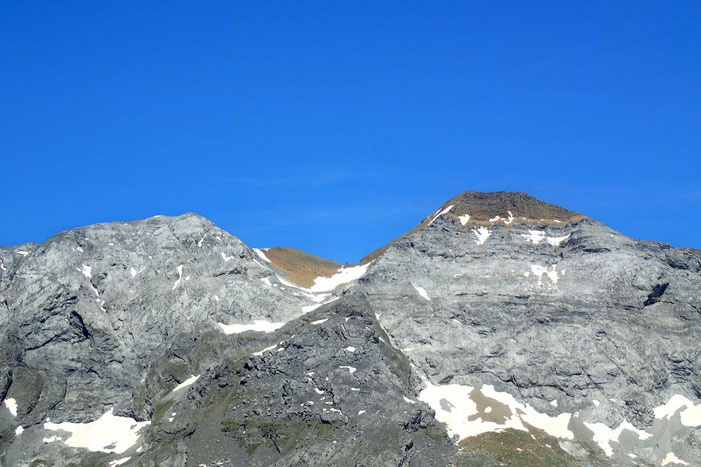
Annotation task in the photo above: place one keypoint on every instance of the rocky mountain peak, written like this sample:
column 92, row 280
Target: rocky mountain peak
column 474, row 208
column 477, row 208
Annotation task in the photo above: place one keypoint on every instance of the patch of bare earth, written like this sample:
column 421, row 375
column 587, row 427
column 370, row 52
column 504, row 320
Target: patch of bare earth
column 300, row 267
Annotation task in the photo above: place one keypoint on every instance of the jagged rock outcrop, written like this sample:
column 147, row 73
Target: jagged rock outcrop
column 501, row 330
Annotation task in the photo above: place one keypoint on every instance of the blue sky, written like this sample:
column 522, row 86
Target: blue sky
column 335, row 126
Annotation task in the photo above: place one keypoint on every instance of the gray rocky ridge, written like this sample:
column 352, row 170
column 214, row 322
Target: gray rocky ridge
column 501, row 331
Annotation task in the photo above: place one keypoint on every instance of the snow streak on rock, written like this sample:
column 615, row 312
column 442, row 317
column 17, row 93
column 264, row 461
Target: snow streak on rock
column 440, row 214
column 257, row 325
column 343, row 276
column 186, row 383
column 421, row 292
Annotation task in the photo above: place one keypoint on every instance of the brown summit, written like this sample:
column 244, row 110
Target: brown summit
column 300, row 267
column 521, row 207
column 501, row 207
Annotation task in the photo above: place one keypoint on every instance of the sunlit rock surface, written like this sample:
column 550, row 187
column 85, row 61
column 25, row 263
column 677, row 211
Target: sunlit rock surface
column 501, row 330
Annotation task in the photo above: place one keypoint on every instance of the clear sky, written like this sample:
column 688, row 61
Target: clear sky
column 335, row 126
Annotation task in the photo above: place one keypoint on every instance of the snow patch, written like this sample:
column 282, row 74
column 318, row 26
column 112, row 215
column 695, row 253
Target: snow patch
column 537, row 236
column 539, row 271
column 310, row 294
column 534, row 236
column 350, row 348
column 86, row 271
column 319, row 321
column 284, row 281
column 108, row 433
column 603, row 435
column 342, row 276
column 180, row 277
column 464, row 219
column 671, row 458
column 555, row 241
column 351, row 369
column 226, row 258
column 454, row 407
column 22, row 252
column 19, row 430
column 117, row 462
column 482, row 235
column 690, row 416
column 406, row 399
column 257, row 325
column 554, row 426
column 11, row 405
column 421, row 292
column 261, row 352
column 186, row 383
column 261, row 255
column 510, row 219
column 506, row 221
column 134, row 272
column 440, row 214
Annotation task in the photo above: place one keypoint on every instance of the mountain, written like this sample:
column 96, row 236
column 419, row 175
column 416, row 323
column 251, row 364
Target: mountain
column 502, row 330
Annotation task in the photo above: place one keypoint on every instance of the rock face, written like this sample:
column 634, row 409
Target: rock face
column 502, row 330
